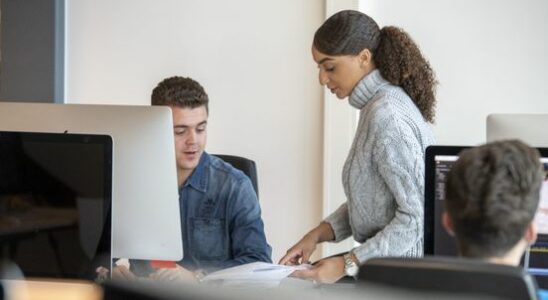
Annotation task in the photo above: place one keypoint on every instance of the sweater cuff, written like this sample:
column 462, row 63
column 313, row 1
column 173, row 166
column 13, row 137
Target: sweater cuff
column 364, row 253
column 339, row 222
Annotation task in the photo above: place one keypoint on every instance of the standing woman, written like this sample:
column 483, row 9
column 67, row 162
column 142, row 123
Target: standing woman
column 385, row 76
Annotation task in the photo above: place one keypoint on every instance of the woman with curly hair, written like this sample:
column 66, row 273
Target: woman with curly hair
column 385, row 76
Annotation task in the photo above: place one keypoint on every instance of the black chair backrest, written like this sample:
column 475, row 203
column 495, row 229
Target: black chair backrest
column 450, row 275
column 245, row 165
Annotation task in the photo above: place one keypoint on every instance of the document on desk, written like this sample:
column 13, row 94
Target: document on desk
column 255, row 273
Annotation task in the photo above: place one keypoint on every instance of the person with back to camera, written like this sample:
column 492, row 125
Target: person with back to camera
column 492, row 195
column 385, row 76
column 220, row 213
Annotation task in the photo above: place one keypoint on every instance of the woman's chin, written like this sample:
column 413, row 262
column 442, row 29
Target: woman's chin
column 341, row 97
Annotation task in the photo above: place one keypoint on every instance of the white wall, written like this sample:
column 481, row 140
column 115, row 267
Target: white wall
column 490, row 57
column 253, row 58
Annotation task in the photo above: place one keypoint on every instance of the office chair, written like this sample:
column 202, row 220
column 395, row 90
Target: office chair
column 449, row 275
column 245, row 165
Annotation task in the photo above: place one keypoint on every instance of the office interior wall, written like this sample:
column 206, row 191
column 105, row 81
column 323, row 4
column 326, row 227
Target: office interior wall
column 31, row 49
column 489, row 56
column 252, row 57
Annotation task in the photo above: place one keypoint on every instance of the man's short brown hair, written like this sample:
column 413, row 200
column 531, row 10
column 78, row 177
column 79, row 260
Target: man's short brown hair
column 181, row 92
column 492, row 194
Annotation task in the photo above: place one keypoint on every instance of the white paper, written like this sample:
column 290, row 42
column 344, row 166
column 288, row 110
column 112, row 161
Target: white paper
column 255, row 273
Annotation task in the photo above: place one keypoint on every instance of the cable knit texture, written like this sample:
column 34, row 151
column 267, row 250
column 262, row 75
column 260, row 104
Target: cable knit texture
column 383, row 175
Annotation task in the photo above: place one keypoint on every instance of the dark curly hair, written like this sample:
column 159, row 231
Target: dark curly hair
column 397, row 57
column 181, row 92
column 492, row 194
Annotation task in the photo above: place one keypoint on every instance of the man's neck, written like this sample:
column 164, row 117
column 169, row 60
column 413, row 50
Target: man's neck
column 505, row 260
column 182, row 176
column 513, row 256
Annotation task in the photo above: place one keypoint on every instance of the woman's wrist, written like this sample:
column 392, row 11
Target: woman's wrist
column 327, row 232
column 313, row 236
column 321, row 233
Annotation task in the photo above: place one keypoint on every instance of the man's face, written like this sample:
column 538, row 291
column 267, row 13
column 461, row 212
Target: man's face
column 190, row 130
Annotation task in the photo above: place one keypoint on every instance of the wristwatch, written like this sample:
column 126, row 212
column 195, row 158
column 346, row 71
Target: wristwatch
column 350, row 267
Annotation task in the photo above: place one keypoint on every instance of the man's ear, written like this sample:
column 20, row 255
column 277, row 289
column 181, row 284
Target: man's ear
column 531, row 233
column 447, row 223
column 366, row 57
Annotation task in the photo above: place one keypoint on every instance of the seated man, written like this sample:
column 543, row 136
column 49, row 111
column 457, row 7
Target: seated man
column 492, row 195
column 220, row 214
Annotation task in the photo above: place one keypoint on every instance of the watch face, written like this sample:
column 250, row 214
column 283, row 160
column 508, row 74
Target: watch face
column 352, row 270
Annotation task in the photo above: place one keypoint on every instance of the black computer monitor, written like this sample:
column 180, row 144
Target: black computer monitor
column 55, row 203
column 146, row 218
column 439, row 160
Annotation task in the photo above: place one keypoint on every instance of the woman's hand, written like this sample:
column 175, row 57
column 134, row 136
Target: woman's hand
column 300, row 253
column 173, row 274
column 327, row 270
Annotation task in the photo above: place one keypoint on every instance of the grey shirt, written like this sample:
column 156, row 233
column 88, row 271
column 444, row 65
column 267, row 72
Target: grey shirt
column 383, row 175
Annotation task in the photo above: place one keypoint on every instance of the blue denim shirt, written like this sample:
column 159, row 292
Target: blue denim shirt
column 220, row 218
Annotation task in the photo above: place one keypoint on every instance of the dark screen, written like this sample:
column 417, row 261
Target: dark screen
column 55, row 199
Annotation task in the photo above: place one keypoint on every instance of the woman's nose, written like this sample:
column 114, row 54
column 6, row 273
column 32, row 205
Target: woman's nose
column 323, row 78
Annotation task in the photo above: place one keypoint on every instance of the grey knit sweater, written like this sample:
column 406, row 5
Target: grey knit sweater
column 383, row 175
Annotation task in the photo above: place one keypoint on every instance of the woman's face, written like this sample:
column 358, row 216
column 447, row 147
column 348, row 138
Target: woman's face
column 341, row 73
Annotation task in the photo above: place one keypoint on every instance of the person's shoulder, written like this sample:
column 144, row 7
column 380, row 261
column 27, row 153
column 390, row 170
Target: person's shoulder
column 394, row 109
column 220, row 166
column 224, row 174
column 394, row 101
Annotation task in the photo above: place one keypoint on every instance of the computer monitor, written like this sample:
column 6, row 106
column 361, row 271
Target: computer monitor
column 530, row 128
column 145, row 200
column 55, row 202
column 438, row 162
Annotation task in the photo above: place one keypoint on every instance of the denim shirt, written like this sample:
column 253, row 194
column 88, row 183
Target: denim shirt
column 220, row 218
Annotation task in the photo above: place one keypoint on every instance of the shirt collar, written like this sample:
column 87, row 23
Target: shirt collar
column 198, row 179
column 366, row 88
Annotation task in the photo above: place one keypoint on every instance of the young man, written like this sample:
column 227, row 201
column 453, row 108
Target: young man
column 220, row 214
column 492, row 195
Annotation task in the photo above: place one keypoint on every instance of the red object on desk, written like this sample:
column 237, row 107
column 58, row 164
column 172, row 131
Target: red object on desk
column 161, row 264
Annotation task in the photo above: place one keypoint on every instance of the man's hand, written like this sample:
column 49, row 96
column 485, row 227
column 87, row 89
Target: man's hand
column 122, row 273
column 327, row 270
column 173, row 274
column 102, row 274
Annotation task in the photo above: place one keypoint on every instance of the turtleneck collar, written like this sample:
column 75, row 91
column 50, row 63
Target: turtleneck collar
column 366, row 88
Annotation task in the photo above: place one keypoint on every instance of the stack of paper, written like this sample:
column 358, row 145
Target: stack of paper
column 254, row 274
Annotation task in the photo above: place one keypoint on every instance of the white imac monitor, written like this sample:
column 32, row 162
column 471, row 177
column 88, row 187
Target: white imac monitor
column 530, row 128
column 145, row 203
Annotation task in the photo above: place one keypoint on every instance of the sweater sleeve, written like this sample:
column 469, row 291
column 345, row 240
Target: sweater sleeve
column 400, row 161
column 340, row 223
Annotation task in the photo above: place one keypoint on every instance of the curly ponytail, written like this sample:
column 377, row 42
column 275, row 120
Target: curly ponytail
column 400, row 61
